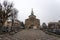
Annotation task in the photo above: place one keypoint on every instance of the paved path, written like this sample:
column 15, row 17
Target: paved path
column 30, row 35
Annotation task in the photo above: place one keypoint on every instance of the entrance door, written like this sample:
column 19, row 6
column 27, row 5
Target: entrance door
column 34, row 27
column 31, row 27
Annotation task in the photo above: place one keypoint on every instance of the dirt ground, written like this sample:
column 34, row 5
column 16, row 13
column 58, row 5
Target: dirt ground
column 29, row 34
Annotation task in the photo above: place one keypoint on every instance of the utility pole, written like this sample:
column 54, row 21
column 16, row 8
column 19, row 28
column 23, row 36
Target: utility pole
column 12, row 21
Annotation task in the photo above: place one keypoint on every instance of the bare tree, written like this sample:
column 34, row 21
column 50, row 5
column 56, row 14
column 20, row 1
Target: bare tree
column 44, row 25
column 6, row 11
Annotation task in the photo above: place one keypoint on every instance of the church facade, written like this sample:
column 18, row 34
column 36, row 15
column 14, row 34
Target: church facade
column 32, row 22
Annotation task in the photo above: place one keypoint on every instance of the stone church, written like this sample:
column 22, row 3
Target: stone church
column 32, row 22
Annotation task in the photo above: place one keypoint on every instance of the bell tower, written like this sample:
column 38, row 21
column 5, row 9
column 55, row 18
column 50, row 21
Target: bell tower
column 32, row 13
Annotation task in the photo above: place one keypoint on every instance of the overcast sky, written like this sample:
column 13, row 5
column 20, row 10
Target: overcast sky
column 45, row 10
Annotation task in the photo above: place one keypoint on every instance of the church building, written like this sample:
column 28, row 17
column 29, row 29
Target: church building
column 32, row 22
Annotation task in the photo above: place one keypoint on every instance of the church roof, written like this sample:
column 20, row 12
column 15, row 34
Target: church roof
column 32, row 14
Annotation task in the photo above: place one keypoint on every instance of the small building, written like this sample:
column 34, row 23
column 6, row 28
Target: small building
column 54, row 25
column 32, row 21
column 8, row 25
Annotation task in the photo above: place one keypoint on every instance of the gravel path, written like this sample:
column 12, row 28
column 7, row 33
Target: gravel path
column 30, row 35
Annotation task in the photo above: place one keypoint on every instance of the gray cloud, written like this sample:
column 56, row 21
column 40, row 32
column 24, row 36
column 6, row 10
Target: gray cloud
column 45, row 10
